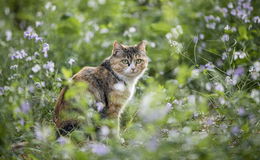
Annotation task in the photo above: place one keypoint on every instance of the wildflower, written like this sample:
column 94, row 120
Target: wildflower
column 239, row 54
column 219, row 87
column 36, row 68
column 152, row 44
column 104, row 30
column 8, row 35
column 239, row 71
column 99, row 149
column 192, row 99
column 230, row 5
column 18, row 55
column 255, row 94
column 152, row 144
column 201, row 36
column 33, row 36
column 257, row 66
column 222, row 101
column 26, row 34
column 42, row 133
column 25, row 107
column 195, row 39
column 195, row 73
column 235, row 130
column 229, row 80
column 208, row 86
column 211, row 25
column 21, row 121
column 256, row 19
column 241, row 112
column 224, row 56
column 71, row 61
column 104, row 131
column 88, row 36
column 45, row 47
column 40, row 84
column 225, row 38
column 2, row 91
column 14, row 66
column 38, row 23
column 62, row 140
column 100, row 106
column 38, row 39
column 209, row 66
column 132, row 29
column 49, row 66
column 29, row 58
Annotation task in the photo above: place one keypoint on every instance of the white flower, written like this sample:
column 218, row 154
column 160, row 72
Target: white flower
column 36, row 68
column 255, row 94
column 71, row 61
column 208, row 86
column 257, row 66
column 132, row 29
column 8, row 35
column 104, row 131
column 239, row 54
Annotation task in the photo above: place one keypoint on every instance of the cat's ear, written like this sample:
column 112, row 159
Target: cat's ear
column 141, row 46
column 117, row 46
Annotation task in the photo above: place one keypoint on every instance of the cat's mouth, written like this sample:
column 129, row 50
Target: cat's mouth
column 133, row 73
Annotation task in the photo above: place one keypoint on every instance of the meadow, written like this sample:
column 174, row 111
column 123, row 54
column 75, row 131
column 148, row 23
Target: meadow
column 198, row 100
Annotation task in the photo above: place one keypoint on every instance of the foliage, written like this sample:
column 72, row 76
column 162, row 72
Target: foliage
column 199, row 98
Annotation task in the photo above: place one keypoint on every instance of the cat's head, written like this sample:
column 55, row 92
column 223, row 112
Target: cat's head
column 129, row 61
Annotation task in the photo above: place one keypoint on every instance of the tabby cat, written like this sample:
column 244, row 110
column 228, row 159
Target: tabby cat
column 112, row 84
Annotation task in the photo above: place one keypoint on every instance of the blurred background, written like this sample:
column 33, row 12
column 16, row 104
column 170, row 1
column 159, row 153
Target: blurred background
column 199, row 99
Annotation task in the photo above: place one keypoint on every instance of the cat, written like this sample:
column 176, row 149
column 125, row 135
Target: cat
column 112, row 84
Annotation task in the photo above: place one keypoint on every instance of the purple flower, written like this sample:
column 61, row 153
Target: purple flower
column 239, row 71
column 25, row 107
column 45, row 47
column 2, row 91
column 62, row 140
column 241, row 112
column 100, row 106
column 99, row 149
column 18, row 55
column 195, row 39
column 209, row 66
column 225, row 38
column 49, row 66
column 26, row 34
column 235, row 130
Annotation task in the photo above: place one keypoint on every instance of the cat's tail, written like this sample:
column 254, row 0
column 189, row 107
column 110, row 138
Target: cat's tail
column 63, row 126
column 60, row 104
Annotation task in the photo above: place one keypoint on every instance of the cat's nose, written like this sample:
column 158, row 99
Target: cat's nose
column 133, row 69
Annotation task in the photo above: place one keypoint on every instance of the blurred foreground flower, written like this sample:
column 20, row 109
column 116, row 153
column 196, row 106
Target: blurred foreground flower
column 99, row 149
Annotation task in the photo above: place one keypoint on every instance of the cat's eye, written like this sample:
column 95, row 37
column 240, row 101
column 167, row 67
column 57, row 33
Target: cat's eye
column 138, row 61
column 124, row 61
